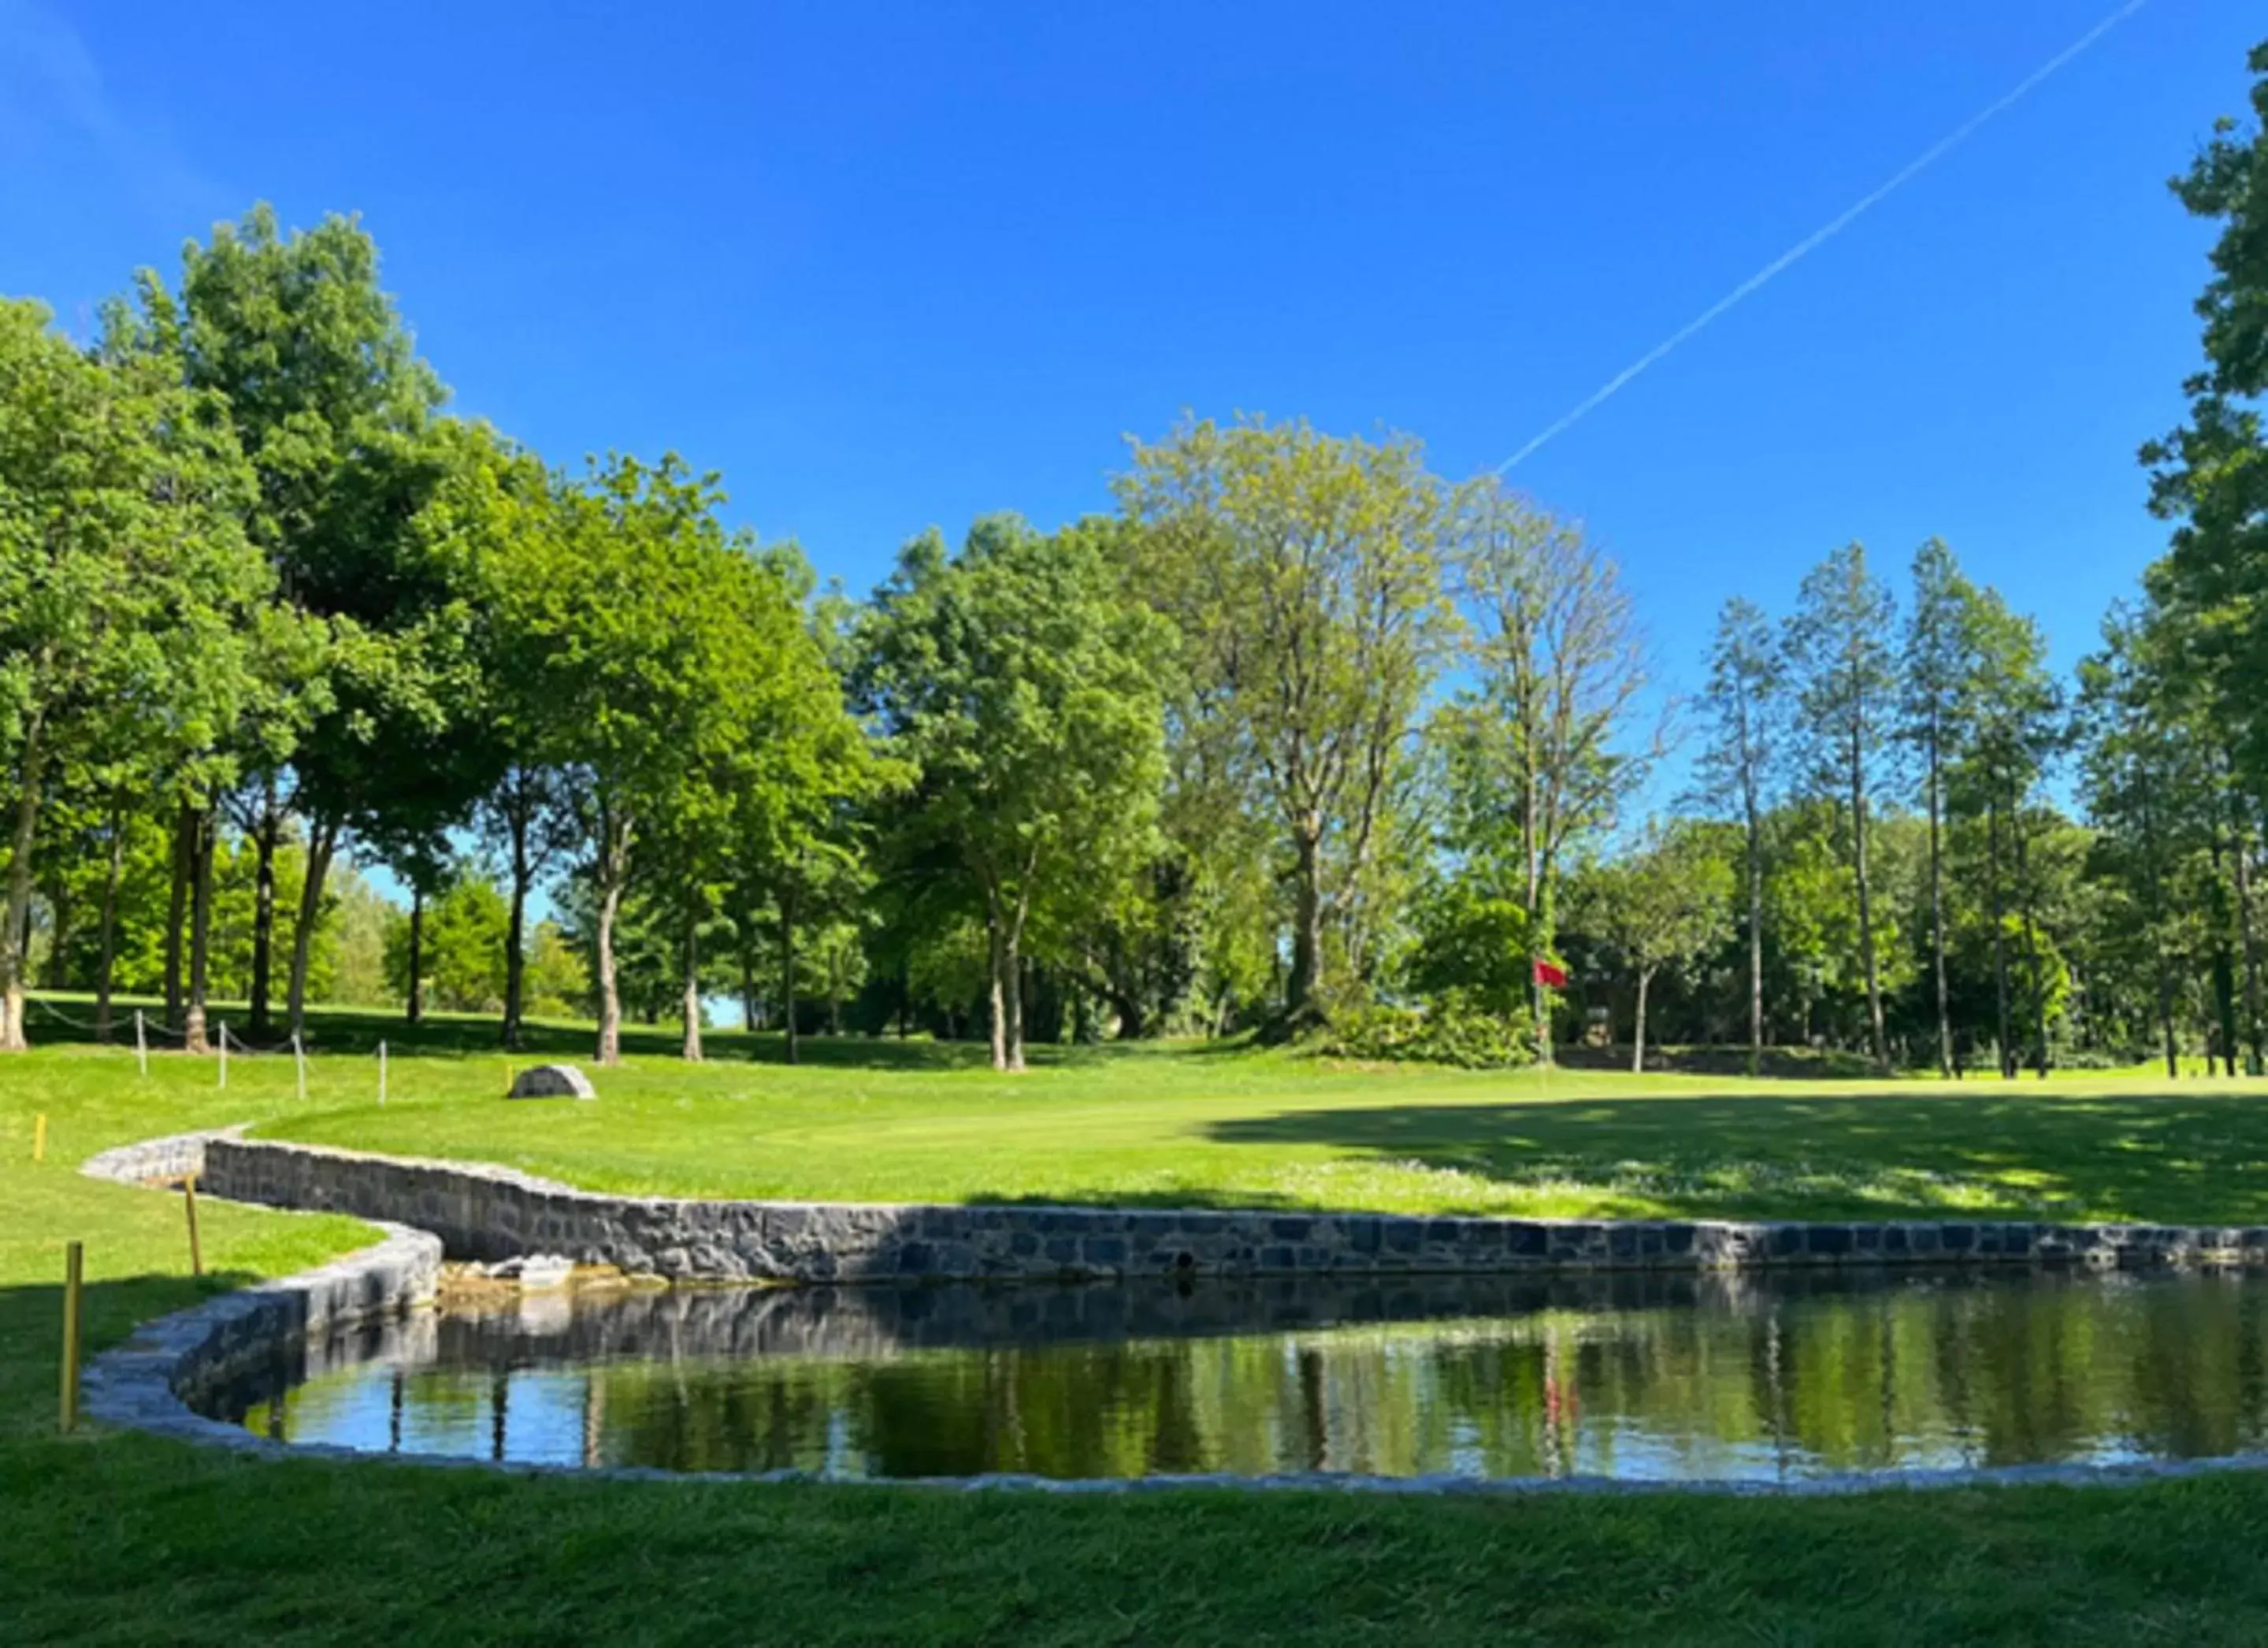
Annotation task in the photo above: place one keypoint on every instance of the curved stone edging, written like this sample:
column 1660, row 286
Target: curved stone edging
column 142, row 1384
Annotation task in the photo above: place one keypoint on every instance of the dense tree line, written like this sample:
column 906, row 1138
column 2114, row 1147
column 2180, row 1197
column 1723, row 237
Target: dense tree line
column 1302, row 737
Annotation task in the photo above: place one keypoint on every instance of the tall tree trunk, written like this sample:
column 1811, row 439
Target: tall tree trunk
column 2224, row 962
column 107, row 965
column 614, row 866
column 787, row 969
column 515, row 933
column 413, row 1005
column 200, row 899
column 996, row 950
column 1756, row 938
column 690, row 1050
column 2249, row 940
column 1937, row 898
column 14, row 953
column 177, row 913
column 747, row 977
column 2034, row 965
column 1638, row 1024
column 1012, row 969
column 267, row 836
column 2166, row 1017
column 1300, row 1005
column 322, row 843
column 63, row 908
column 2142, row 785
column 1866, row 907
column 1999, row 938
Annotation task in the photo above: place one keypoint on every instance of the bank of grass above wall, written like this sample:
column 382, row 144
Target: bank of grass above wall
column 1188, row 1124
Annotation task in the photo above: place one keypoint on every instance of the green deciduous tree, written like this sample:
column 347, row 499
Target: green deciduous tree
column 1746, row 706
column 654, row 638
column 332, row 406
column 1023, row 688
column 2015, row 726
column 124, row 581
column 1539, row 747
column 1941, row 675
column 1838, row 644
column 1666, row 902
column 1303, row 575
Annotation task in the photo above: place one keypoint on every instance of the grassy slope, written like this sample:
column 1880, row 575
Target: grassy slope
column 119, row 1539
column 1185, row 1126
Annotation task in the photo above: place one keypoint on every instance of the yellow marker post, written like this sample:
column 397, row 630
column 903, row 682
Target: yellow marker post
column 39, row 1137
column 190, row 1202
column 74, row 1267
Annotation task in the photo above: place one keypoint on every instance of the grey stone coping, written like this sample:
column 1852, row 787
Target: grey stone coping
column 144, row 1384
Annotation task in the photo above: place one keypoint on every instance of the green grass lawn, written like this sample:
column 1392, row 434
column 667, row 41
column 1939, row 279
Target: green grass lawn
column 1197, row 1126
column 120, row 1538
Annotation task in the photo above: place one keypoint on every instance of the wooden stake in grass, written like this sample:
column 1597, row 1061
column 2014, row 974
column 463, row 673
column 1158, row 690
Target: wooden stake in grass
column 190, row 1202
column 299, row 1064
column 39, row 1137
column 74, row 1270
column 141, row 1046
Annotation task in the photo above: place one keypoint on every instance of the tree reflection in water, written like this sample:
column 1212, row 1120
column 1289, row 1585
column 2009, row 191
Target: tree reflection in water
column 1757, row 1377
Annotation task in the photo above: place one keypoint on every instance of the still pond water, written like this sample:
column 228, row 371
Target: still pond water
column 1760, row 1377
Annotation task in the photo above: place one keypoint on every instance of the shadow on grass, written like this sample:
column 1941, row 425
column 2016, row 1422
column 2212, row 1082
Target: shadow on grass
column 1791, row 1063
column 30, row 1333
column 68, row 1021
column 2173, row 1160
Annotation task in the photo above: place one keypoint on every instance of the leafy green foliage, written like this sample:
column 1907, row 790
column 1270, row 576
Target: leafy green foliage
column 1022, row 688
column 1304, row 578
column 1452, row 1028
column 1471, row 943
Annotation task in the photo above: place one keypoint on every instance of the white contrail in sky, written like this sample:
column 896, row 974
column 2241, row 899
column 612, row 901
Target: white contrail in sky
column 1819, row 237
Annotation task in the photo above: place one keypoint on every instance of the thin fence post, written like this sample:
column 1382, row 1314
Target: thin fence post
column 299, row 1064
column 381, row 1074
column 190, row 1202
column 74, row 1282
column 141, row 1046
column 224, row 1052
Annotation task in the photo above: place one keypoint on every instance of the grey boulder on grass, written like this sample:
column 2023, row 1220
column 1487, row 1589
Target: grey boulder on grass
column 552, row 1081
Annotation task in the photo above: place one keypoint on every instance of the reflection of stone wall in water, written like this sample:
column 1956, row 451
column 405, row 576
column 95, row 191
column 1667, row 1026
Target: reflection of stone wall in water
column 1713, row 1375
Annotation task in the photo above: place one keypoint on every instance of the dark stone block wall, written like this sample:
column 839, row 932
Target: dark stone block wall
column 485, row 1213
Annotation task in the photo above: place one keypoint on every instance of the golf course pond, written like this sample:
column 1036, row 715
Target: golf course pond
column 1769, row 1376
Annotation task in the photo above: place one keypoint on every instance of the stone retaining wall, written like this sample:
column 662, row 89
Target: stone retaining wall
column 144, row 1382
column 491, row 1213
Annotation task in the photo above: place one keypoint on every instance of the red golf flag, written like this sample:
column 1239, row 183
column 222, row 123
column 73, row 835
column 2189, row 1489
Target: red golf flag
column 1549, row 976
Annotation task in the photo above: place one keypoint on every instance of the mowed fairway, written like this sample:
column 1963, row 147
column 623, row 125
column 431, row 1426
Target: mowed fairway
column 124, row 1539
column 1201, row 1125
column 1191, row 1126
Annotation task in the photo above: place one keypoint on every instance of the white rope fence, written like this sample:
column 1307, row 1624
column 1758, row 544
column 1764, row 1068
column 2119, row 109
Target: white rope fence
column 224, row 1041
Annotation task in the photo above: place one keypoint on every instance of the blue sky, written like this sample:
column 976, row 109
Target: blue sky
column 887, row 265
